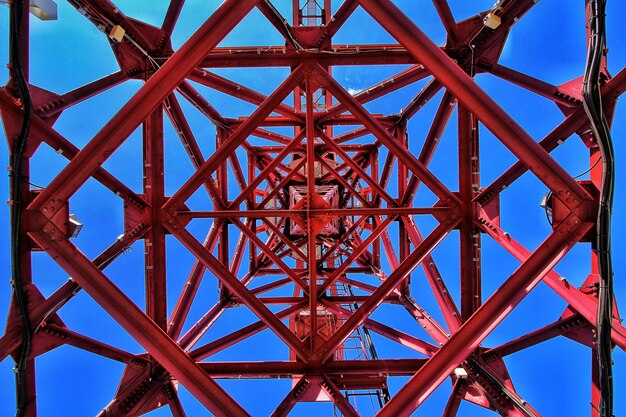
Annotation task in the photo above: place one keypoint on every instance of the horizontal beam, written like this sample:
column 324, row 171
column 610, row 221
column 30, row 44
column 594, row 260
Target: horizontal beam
column 270, row 369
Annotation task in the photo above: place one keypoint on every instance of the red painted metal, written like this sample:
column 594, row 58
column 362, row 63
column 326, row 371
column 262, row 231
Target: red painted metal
column 308, row 213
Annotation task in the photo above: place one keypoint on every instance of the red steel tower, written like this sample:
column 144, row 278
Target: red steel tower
column 309, row 229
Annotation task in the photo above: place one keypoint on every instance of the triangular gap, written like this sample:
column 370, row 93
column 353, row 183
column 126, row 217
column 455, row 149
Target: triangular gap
column 150, row 15
column 542, row 306
column 227, row 105
column 396, row 317
column 497, row 264
column 76, row 37
column 83, row 315
column 180, row 165
column 202, row 129
column 521, row 214
column 48, row 276
column 444, row 163
column 363, row 80
column 462, row 11
column 118, row 165
column 201, row 199
column 242, row 86
column 261, row 346
column 103, row 222
column 65, row 380
column 523, row 105
column 388, row 348
column 254, row 30
column 361, row 28
column 259, row 397
column 81, row 122
column 181, row 264
column 352, row 135
column 45, row 164
column 495, row 158
column 559, row 362
column 422, row 292
column 445, row 260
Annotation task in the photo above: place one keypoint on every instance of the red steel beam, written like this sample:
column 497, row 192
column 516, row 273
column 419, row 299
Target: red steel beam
column 278, row 21
column 472, row 96
column 380, row 89
column 11, row 340
column 292, row 398
column 390, row 333
column 280, row 56
column 486, row 318
column 443, row 10
column 267, row 170
column 572, row 123
column 420, row 100
column 542, row 88
column 286, row 369
column 153, row 92
column 85, row 92
column 341, row 402
column 109, row 13
column 171, row 17
column 69, row 337
column 135, row 322
column 269, row 253
column 337, row 21
column 199, row 102
column 469, row 234
column 154, row 243
column 558, row 328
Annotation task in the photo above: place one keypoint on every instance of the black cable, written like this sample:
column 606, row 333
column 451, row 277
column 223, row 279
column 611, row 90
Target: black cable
column 592, row 101
column 17, row 157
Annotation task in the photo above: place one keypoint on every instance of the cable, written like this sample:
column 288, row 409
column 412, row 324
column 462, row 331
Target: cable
column 590, row 168
column 592, row 102
column 17, row 156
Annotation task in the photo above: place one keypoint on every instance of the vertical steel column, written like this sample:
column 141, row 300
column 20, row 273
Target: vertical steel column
column 311, row 232
column 154, row 191
column 469, row 184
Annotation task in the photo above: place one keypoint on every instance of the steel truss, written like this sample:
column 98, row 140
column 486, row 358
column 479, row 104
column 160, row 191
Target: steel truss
column 290, row 206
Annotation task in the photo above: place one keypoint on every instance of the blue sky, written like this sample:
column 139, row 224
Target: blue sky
column 548, row 44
